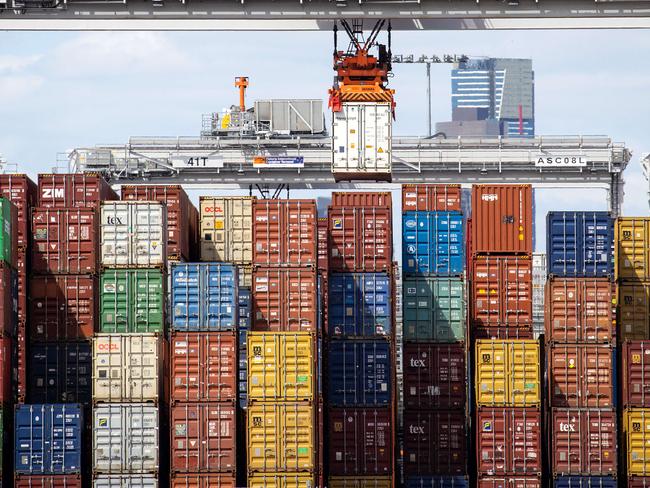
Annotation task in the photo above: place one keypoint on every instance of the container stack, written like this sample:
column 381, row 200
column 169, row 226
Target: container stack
column 632, row 246
column 580, row 349
column 360, row 342
column 539, row 283
column 434, row 337
column 282, row 434
column 129, row 402
column 506, row 359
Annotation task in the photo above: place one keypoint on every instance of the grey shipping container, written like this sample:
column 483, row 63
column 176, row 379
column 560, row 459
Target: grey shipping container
column 126, row 481
column 290, row 116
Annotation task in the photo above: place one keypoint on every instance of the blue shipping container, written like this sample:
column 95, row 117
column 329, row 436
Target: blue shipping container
column 359, row 305
column 204, row 297
column 244, row 295
column 433, row 243
column 359, row 373
column 580, row 244
column 60, row 373
column 437, row 482
column 585, row 482
column 48, row 438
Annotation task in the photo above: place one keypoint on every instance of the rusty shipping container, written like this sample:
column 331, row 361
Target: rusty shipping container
column 22, row 192
column 181, row 215
column 509, row 441
column 323, row 241
column 203, row 367
column 580, row 310
column 284, row 233
column 358, row 199
column 583, row 442
column 73, row 190
column 360, row 239
column 48, row 481
column 510, row 482
column 633, row 310
column 581, row 375
column 62, row 307
column 203, row 480
column 502, row 219
column 65, row 241
column 8, row 300
column 203, row 437
column 636, row 374
column 435, row 376
column 431, row 198
column 360, row 441
column 285, row 299
column 435, row 441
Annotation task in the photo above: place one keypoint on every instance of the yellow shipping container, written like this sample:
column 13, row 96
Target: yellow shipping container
column 280, row 366
column 360, row 482
column 226, row 226
column 281, row 480
column 507, row 373
column 634, row 310
column 632, row 248
column 636, row 427
column 281, row 437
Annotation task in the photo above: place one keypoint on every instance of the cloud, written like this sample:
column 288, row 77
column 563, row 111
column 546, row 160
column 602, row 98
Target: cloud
column 16, row 64
column 15, row 87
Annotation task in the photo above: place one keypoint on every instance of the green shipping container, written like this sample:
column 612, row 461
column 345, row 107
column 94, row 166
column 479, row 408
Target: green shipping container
column 434, row 309
column 131, row 301
column 9, row 231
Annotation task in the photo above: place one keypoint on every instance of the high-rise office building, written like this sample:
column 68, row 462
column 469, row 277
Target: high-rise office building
column 490, row 97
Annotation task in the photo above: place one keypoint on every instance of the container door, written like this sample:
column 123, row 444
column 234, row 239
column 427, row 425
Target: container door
column 108, row 448
column 524, row 381
column 147, row 301
column 633, row 248
column 297, row 442
column 149, row 240
column 264, row 437
column 297, row 367
column 141, row 442
column 634, row 311
column 347, row 139
column 420, row 321
column 375, row 127
column 263, row 366
column 142, row 364
column 491, row 360
column 114, row 301
column 109, row 362
column 115, row 234
column 449, row 310
column 221, row 289
column 186, row 296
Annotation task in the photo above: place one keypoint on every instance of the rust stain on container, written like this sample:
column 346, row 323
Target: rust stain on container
column 581, row 375
column 352, row 199
column 636, row 374
column 285, row 299
column 62, row 307
column 502, row 219
column 22, row 192
column 284, row 233
column 73, row 190
column 580, row 310
column 64, row 241
column 431, row 198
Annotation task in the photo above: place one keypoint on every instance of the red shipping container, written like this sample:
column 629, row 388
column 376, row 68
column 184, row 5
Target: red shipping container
column 323, row 252
column 579, row 310
column 583, row 442
column 8, row 303
column 22, row 193
column 502, row 291
column 73, row 190
column 210, row 480
column 434, row 376
column 357, row 199
column 360, row 239
column 180, row 215
column 502, row 219
column 6, row 370
column 21, row 361
column 503, row 332
column 360, row 441
column 431, row 198
column 48, row 481
column 194, row 224
column 21, row 272
column 435, row 442
column 203, row 367
column 64, row 241
column 581, row 376
column 638, row 482
column 62, row 307
column 510, row 482
column 284, row 233
column 509, row 441
column 285, row 300
column 203, row 437
column 636, row 374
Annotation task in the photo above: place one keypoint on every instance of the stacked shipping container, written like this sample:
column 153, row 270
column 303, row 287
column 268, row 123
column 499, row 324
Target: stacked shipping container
column 506, row 360
column 360, row 343
column 434, row 338
column 580, row 336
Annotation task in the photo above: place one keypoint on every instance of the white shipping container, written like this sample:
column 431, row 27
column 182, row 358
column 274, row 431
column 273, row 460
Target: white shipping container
column 127, row 367
column 227, row 229
column 362, row 141
column 126, row 481
column 133, row 234
column 125, row 438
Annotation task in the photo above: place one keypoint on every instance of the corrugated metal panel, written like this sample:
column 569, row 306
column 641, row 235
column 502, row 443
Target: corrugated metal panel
column 633, row 310
column 125, row 481
column 8, row 299
column 636, row 426
column 360, row 373
column 8, row 232
column 281, row 480
column 226, row 229
column 6, row 370
column 125, row 438
column 580, row 244
column 585, row 482
column 433, row 243
column 437, row 482
column 22, row 192
column 38, row 432
column 204, row 296
column 281, row 367
column 511, row 482
column 323, row 243
column 632, row 248
column 638, row 482
column 434, row 309
column 48, row 481
column 431, row 198
column 636, row 374
column 291, row 116
column 508, row 373
column 209, row 480
column 356, row 199
column 359, row 304
column 360, row 482
column 73, row 190
column 539, row 283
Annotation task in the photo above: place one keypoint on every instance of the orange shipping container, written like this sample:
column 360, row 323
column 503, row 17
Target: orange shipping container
column 431, row 198
column 204, row 480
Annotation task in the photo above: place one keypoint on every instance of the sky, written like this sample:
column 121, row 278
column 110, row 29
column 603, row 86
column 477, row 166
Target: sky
column 73, row 89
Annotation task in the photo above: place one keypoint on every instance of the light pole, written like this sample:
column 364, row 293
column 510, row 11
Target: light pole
column 429, row 60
